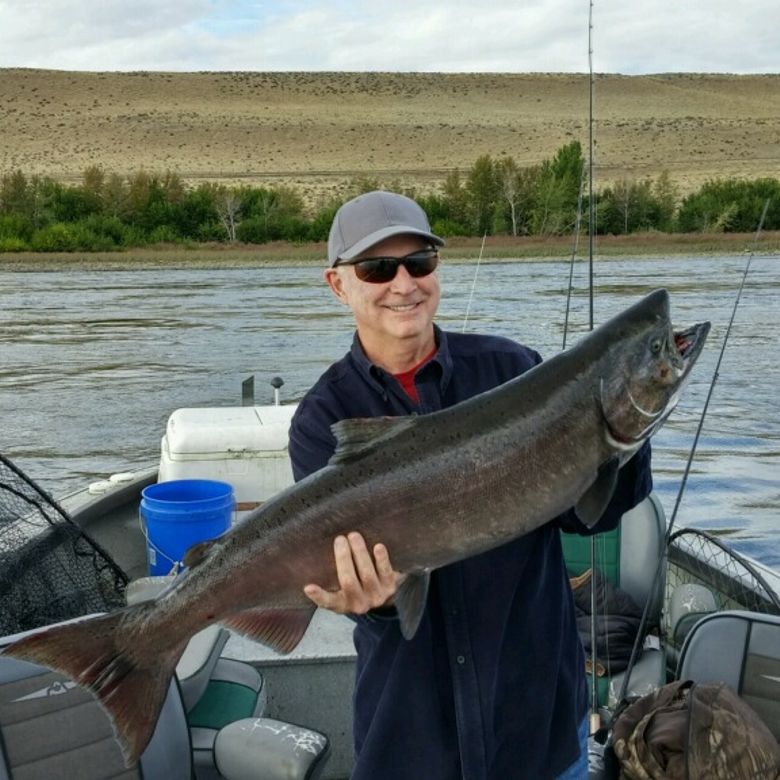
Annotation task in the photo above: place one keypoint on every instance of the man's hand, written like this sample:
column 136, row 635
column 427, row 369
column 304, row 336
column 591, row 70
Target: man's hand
column 365, row 582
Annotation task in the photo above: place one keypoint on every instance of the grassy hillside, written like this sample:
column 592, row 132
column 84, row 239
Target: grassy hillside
column 318, row 131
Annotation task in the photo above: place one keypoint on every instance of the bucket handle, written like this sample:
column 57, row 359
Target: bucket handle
column 177, row 565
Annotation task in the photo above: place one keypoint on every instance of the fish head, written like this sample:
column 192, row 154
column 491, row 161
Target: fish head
column 646, row 366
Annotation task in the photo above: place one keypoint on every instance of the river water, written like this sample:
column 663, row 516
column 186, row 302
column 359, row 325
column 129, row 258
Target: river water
column 93, row 362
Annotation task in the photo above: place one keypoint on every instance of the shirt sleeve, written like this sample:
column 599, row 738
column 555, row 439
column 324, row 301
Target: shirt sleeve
column 311, row 442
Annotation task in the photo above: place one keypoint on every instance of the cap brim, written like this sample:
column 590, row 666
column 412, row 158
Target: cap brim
column 381, row 235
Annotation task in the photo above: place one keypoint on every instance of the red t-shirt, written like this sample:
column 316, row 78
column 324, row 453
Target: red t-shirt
column 406, row 378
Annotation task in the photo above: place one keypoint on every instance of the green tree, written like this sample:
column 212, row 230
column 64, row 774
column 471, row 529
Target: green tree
column 319, row 227
column 455, row 203
column 483, row 191
column 730, row 205
column 268, row 213
column 558, row 182
column 14, row 194
column 667, row 197
column 115, row 192
column 510, row 189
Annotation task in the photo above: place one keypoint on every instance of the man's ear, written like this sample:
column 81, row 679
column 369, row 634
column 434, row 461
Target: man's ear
column 335, row 281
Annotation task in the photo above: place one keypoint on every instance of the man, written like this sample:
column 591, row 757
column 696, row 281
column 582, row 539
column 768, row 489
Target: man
column 492, row 685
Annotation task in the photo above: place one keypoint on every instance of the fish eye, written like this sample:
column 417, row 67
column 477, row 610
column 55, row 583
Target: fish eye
column 655, row 346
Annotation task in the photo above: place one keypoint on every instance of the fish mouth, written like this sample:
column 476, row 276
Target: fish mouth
column 688, row 344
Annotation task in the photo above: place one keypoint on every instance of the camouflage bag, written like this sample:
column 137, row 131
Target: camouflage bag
column 694, row 731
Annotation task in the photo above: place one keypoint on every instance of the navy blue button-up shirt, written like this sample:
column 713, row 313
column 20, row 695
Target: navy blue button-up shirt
column 492, row 686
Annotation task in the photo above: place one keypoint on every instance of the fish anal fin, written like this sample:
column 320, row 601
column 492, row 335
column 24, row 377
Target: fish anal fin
column 410, row 601
column 358, row 436
column 279, row 629
column 594, row 500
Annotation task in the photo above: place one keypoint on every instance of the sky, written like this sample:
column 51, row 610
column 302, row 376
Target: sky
column 514, row 36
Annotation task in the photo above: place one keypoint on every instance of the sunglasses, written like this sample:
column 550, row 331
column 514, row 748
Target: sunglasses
column 377, row 270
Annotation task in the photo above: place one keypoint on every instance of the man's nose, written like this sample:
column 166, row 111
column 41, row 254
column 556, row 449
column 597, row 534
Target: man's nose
column 403, row 281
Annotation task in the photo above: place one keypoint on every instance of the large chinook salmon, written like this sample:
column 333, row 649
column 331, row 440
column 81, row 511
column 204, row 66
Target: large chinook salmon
column 434, row 489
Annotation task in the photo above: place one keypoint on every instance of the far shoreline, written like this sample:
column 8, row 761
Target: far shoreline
column 658, row 246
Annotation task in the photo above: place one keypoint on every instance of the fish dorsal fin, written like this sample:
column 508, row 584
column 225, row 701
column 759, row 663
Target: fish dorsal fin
column 594, row 500
column 360, row 435
column 279, row 629
column 410, row 602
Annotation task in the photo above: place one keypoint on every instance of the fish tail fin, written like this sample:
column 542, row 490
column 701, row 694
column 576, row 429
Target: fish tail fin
column 110, row 656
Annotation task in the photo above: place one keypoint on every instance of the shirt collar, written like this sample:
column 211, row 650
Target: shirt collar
column 376, row 375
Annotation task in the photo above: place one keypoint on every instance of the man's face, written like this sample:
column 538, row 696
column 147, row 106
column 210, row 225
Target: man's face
column 387, row 313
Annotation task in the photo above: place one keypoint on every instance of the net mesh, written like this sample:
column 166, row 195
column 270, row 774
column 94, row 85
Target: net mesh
column 698, row 558
column 50, row 570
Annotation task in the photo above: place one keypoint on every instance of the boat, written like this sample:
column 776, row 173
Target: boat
column 699, row 575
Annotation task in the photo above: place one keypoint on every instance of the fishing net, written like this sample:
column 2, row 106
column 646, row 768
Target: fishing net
column 701, row 558
column 697, row 558
column 50, row 570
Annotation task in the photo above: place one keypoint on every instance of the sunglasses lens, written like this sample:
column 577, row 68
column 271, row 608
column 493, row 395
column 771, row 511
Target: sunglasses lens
column 378, row 270
column 421, row 263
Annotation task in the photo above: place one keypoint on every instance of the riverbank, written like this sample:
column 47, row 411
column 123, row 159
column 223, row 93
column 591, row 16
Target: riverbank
column 497, row 248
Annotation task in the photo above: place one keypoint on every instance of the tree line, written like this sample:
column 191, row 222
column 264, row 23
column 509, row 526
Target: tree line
column 495, row 196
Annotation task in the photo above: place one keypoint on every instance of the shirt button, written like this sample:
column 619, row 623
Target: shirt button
column 461, row 659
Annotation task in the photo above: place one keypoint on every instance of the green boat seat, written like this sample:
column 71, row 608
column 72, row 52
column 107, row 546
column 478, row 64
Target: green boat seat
column 234, row 692
column 741, row 649
column 629, row 556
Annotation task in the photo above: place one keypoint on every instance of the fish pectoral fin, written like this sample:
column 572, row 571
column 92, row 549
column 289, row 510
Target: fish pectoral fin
column 594, row 500
column 410, row 602
column 359, row 436
column 197, row 553
column 279, row 629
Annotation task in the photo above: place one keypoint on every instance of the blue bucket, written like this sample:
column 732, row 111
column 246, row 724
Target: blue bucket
column 180, row 513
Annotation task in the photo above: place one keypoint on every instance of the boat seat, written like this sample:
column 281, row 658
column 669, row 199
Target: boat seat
column 235, row 692
column 741, row 649
column 628, row 556
column 52, row 729
column 688, row 603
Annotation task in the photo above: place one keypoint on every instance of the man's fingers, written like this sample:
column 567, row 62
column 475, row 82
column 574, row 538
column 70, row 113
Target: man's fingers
column 323, row 598
column 383, row 566
column 349, row 581
column 366, row 578
column 364, row 565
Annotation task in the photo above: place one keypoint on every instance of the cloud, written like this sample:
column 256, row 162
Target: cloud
column 450, row 35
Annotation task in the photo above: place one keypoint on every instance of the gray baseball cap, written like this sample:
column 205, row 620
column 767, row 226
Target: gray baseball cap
column 372, row 217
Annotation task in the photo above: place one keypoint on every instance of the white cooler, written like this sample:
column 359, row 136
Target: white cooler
column 245, row 446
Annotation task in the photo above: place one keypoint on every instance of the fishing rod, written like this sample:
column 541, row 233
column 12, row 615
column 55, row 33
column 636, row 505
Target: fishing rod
column 474, row 284
column 591, row 225
column 595, row 717
column 575, row 247
column 715, row 375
